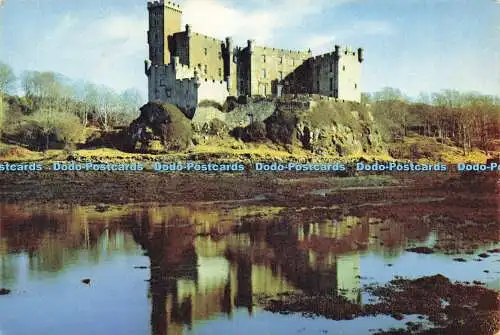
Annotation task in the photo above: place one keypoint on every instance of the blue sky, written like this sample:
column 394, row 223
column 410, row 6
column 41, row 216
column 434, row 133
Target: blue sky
column 414, row 45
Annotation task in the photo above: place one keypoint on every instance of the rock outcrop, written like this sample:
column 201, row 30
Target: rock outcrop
column 327, row 127
column 163, row 123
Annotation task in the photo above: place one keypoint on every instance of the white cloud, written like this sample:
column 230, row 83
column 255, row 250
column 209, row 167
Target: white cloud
column 262, row 22
column 212, row 18
column 110, row 49
column 106, row 50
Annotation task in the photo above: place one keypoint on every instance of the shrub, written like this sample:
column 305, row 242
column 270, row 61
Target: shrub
column 211, row 103
column 281, row 127
column 217, row 127
column 256, row 131
column 230, row 104
column 45, row 127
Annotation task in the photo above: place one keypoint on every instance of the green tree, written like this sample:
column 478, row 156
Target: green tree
column 47, row 124
column 7, row 78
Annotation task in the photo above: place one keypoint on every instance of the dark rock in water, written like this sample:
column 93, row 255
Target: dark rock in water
column 140, row 267
column 4, row 291
column 484, row 255
column 397, row 316
column 492, row 251
column 86, row 281
column 389, row 265
column 460, row 259
column 421, row 250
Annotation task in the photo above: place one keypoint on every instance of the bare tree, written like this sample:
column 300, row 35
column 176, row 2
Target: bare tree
column 7, row 78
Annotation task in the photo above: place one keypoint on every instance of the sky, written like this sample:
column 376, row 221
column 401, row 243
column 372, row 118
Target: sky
column 413, row 45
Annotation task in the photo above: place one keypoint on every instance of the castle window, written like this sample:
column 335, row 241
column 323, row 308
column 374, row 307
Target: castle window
column 220, row 72
column 355, row 85
column 343, row 68
column 281, row 60
column 206, row 69
column 264, row 73
column 317, row 85
column 331, row 67
column 263, row 58
column 205, row 51
column 331, row 84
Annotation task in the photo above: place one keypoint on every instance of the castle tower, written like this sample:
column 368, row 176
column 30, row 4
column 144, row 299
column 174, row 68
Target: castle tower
column 348, row 73
column 164, row 20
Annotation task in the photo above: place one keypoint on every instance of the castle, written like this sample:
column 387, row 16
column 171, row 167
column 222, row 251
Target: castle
column 185, row 67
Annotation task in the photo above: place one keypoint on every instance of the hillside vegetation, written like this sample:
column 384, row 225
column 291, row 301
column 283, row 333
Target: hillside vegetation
column 57, row 118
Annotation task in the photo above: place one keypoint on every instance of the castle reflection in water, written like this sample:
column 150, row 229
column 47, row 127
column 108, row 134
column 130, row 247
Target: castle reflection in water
column 205, row 260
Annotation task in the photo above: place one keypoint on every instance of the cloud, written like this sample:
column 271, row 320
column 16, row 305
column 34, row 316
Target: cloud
column 213, row 18
column 109, row 49
column 106, row 50
column 259, row 20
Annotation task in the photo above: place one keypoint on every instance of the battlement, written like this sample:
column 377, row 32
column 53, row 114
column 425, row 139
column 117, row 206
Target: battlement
column 341, row 51
column 208, row 37
column 166, row 4
column 193, row 64
column 287, row 52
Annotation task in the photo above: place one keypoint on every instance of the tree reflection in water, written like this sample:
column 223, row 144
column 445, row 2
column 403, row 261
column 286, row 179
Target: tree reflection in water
column 206, row 261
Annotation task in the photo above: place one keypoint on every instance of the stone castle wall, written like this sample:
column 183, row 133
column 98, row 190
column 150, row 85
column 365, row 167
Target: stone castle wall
column 180, row 85
column 271, row 66
column 205, row 68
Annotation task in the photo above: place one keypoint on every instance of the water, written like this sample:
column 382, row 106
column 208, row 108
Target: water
column 206, row 264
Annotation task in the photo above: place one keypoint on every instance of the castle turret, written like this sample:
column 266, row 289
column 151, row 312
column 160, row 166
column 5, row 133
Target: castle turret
column 251, row 44
column 360, row 55
column 337, row 50
column 164, row 21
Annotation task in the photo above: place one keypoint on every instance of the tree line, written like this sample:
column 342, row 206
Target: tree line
column 466, row 120
column 55, row 108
